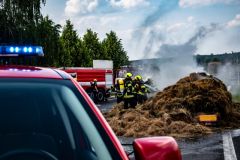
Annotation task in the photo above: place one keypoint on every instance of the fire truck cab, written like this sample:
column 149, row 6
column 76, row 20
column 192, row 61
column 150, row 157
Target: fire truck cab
column 85, row 77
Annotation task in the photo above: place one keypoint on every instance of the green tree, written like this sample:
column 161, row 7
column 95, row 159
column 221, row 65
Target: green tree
column 49, row 37
column 69, row 40
column 92, row 47
column 83, row 58
column 19, row 20
column 113, row 49
column 215, row 59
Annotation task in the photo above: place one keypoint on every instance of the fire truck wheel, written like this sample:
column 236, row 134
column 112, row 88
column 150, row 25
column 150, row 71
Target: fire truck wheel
column 90, row 93
column 100, row 96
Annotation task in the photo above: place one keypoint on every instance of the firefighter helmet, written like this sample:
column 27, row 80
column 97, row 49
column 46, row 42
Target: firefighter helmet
column 138, row 77
column 128, row 75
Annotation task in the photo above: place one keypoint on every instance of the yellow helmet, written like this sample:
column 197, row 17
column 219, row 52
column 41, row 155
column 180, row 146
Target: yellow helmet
column 128, row 74
column 138, row 77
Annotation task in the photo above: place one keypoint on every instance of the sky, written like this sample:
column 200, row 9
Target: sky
column 156, row 28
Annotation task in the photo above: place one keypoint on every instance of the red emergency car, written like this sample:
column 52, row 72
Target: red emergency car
column 46, row 115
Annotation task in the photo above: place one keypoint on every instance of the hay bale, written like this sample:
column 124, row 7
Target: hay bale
column 174, row 110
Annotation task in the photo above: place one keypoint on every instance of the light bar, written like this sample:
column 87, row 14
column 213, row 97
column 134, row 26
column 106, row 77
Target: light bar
column 21, row 50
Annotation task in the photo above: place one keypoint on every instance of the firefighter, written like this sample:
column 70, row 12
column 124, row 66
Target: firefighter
column 128, row 93
column 145, row 91
column 141, row 89
column 74, row 76
column 94, row 90
column 137, row 87
column 119, row 89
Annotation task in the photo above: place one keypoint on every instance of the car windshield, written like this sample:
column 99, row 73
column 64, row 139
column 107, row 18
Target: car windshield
column 47, row 116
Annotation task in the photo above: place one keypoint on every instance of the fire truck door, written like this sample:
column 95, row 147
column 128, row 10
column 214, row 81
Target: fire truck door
column 109, row 80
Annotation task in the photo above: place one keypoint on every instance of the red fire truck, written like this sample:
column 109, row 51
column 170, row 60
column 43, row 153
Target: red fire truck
column 85, row 76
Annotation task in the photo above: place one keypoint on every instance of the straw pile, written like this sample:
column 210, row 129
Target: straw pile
column 173, row 111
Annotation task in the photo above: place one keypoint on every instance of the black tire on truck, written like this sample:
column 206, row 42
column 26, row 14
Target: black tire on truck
column 101, row 95
column 90, row 93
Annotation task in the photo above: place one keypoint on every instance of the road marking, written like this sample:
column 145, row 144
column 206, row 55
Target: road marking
column 228, row 147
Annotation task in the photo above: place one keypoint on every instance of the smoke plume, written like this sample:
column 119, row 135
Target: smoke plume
column 177, row 60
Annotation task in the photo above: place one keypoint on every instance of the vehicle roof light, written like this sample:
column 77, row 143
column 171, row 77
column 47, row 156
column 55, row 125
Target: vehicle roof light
column 16, row 49
column 30, row 49
column 21, row 50
column 25, row 49
column 11, row 49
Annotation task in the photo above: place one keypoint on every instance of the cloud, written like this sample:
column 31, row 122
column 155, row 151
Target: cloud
column 162, row 10
column 180, row 26
column 74, row 7
column 175, row 27
column 192, row 3
column 98, row 24
column 101, row 24
column 190, row 19
column 128, row 3
column 235, row 22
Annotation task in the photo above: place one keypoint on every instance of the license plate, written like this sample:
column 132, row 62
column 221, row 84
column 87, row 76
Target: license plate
column 207, row 118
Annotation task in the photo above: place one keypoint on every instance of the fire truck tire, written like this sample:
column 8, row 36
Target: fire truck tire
column 101, row 96
column 90, row 93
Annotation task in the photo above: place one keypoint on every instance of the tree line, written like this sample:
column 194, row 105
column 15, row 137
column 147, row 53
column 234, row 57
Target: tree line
column 233, row 58
column 21, row 22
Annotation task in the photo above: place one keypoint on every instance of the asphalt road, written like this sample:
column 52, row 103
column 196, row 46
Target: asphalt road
column 219, row 146
column 107, row 105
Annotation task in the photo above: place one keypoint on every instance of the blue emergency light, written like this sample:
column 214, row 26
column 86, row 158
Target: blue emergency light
column 21, row 50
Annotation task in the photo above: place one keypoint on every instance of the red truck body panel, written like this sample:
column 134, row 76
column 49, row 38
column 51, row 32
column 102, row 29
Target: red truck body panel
column 86, row 75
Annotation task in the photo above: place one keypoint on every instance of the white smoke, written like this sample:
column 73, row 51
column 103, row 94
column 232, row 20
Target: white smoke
column 175, row 45
column 176, row 60
column 230, row 75
column 167, row 71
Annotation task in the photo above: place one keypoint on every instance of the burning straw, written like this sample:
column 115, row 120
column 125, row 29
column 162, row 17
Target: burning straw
column 173, row 111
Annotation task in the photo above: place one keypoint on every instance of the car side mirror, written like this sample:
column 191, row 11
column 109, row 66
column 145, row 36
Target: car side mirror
column 156, row 148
